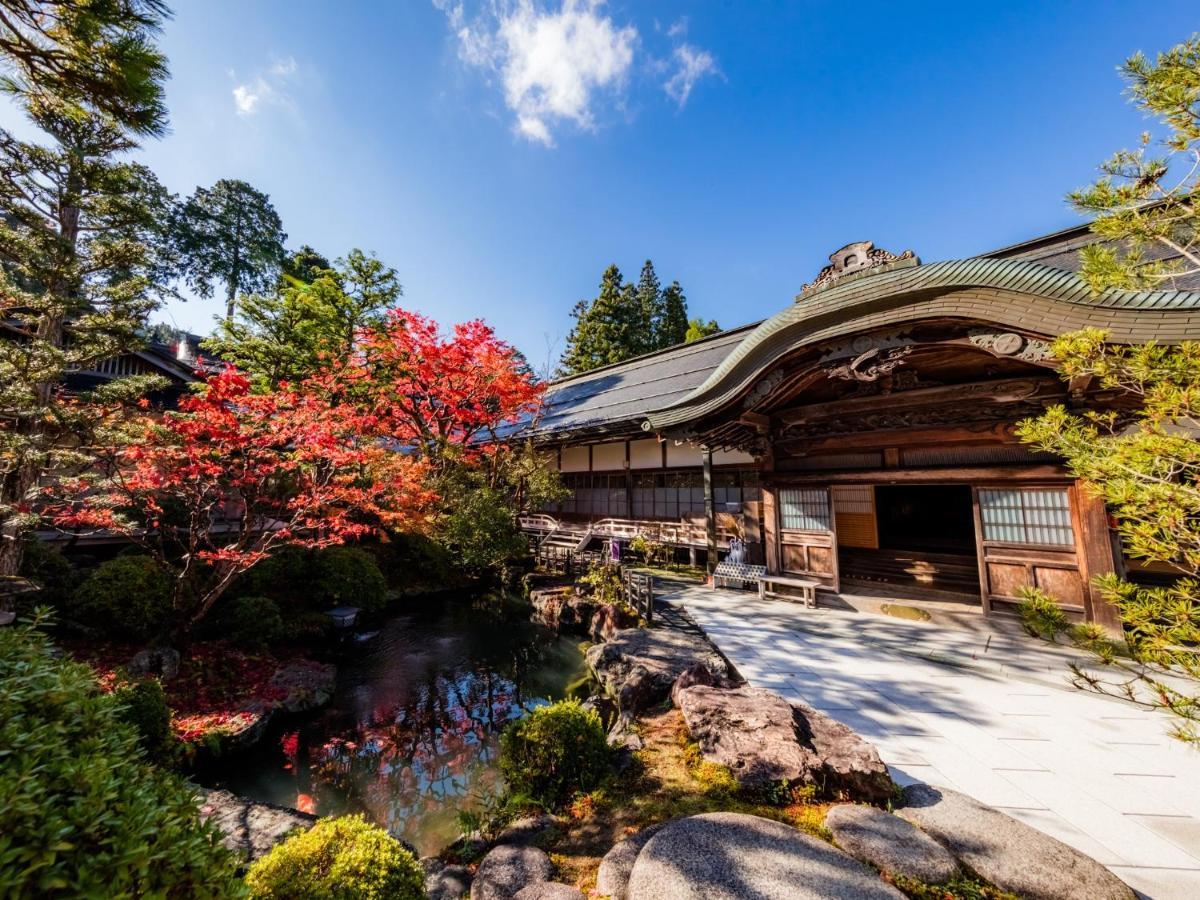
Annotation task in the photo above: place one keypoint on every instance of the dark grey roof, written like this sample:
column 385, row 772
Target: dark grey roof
column 618, row 397
column 1060, row 250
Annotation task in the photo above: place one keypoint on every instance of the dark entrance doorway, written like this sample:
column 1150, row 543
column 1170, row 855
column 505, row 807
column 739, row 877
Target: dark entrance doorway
column 925, row 543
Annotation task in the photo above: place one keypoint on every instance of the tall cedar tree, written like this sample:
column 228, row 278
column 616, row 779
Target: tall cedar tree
column 672, row 327
column 81, row 233
column 288, row 334
column 1146, row 204
column 624, row 320
column 229, row 234
column 97, row 57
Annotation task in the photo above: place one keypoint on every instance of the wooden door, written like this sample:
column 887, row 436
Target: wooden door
column 854, row 516
column 807, row 535
column 1028, row 536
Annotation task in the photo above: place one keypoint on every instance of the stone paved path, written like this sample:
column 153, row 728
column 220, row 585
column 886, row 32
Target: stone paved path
column 1006, row 728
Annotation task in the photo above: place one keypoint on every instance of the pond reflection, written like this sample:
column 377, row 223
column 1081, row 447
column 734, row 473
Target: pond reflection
column 411, row 734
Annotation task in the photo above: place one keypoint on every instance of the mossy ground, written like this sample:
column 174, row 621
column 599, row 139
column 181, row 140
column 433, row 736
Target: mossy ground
column 670, row 780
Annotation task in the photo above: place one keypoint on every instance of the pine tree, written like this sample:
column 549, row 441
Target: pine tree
column 232, row 235
column 604, row 330
column 82, row 234
column 672, row 327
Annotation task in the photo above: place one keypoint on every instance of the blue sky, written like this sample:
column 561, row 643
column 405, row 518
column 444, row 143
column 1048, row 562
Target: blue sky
column 500, row 154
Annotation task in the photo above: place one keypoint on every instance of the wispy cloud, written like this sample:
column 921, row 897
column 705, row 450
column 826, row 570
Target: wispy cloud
column 268, row 88
column 553, row 63
column 688, row 64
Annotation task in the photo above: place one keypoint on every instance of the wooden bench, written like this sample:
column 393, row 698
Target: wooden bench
column 807, row 588
column 740, row 574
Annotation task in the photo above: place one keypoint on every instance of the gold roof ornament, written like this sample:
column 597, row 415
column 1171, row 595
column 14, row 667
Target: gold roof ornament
column 854, row 258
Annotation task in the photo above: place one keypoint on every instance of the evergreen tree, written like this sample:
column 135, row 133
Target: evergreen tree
column 82, row 233
column 1145, row 202
column 698, row 328
column 93, row 58
column 305, row 264
column 672, row 327
column 650, row 310
column 604, row 330
column 286, row 335
column 232, row 235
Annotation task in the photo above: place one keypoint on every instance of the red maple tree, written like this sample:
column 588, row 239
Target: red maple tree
column 212, row 489
column 442, row 397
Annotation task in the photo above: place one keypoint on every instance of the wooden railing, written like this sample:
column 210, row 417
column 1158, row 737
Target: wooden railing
column 639, row 593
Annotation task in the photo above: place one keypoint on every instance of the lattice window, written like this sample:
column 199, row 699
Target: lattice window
column 804, row 509
column 1027, row 517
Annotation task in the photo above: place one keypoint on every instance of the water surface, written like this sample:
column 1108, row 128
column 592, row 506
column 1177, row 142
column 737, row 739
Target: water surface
column 410, row 736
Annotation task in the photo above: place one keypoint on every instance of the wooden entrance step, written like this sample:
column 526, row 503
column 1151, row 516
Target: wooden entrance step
column 948, row 572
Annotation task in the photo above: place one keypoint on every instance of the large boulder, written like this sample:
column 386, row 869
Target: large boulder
column 548, row 603
column 612, row 880
column 639, row 666
column 608, row 619
column 890, row 844
column 730, row 856
column 850, row 766
column 549, row 890
column 447, row 882
column 506, row 869
column 696, row 674
column 749, row 731
column 248, row 828
column 1010, row 854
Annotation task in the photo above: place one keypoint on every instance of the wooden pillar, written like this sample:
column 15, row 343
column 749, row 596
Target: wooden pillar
column 710, row 511
column 1096, row 554
column 770, row 529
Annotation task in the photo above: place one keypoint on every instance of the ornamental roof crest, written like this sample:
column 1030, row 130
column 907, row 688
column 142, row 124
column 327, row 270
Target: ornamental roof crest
column 854, row 259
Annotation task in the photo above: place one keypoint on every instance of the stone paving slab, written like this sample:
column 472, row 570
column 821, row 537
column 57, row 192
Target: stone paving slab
column 1001, row 724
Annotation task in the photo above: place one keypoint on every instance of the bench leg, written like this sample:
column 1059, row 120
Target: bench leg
column 762, row 590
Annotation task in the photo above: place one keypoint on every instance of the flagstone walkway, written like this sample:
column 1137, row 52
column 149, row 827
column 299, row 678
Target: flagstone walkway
column 987, row 712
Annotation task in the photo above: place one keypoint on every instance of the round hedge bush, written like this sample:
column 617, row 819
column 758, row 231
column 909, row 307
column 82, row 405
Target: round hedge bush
column 252, row 623
column 554, row 752
column 143, row 704
column 84, row 814
column 128, row 597
column 348, row 576
column 339, row 859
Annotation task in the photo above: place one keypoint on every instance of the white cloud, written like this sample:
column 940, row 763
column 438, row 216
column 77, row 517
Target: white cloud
column 552, row 63
column 689, row 64
column 268, row 87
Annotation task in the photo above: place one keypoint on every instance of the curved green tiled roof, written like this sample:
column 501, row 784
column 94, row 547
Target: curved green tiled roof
column 1010, row 292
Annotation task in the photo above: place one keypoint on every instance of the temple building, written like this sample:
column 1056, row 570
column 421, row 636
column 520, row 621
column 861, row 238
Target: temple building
column 863, row 437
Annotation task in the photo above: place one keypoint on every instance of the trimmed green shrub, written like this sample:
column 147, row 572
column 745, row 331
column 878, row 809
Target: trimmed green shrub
column 554, row 752
column 128, row 597
column 285, row 576
column 84, row 814
column 143, row 704
column 52, row 572
column 348, row 576
column 338, row 859
column 252, row 623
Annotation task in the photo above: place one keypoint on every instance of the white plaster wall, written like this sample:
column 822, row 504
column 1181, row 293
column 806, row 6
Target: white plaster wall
column 575, row 459
column 645, row 454
column 608, row 457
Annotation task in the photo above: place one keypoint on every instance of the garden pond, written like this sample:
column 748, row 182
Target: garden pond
column 411, row 734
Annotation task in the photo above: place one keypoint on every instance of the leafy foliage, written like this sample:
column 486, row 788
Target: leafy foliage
column 96, row 58
column 348, row 576
column 603, row 582
column 1041, row 615
column 229, row 234
column 82, row 231
column 698, row 329
column 127, row 597
column 252, row 622
column 554, row 752
column 50, row 571
column 215, row 488
column 143, row 704
column 1147, row 206
column 624, row 320
column 338, row 859
column 84, row 814
column 1145, row 462
column 286, row 334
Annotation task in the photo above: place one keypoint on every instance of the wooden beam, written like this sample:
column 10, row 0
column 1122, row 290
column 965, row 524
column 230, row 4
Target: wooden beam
column 989, row 474
column 757, row 421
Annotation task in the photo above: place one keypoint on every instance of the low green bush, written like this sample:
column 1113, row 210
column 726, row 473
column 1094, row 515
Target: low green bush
column 143, row 704
column 84, row 814
column 554, row 752
column 348, row 576
column 128, row 598
column 285, row 576
column 252, row 623
column 50, row 571
column 338, row 859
